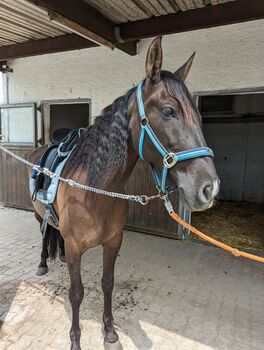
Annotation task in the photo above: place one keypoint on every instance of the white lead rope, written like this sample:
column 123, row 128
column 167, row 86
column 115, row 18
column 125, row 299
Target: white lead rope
column 134, row 198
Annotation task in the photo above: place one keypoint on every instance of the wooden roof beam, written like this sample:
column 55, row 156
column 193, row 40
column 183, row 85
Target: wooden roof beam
column 87, row 17
column 44, row 46
column 210, row 16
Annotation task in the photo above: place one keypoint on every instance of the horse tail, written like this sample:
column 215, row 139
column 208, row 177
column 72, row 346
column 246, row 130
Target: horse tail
column 53, row 241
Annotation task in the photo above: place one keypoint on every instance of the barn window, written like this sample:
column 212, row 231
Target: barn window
column 18, row 124
column 214, row 104
column 244, row 107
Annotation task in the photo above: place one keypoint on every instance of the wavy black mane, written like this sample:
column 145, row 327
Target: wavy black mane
column 102, row 148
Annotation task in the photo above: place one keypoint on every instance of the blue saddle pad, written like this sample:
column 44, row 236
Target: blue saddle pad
column 43, row 188
column 47, row 196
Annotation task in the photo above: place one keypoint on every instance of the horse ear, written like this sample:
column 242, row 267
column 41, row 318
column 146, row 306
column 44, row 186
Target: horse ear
column 154, row 60
column 183, row 71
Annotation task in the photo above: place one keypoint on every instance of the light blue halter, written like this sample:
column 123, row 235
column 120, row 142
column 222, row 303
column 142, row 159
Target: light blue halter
column 169, row 158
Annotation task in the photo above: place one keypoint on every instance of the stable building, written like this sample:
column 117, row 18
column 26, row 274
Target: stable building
column 62, row 62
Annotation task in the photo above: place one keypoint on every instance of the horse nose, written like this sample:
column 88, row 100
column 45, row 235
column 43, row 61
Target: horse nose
column 209, row 191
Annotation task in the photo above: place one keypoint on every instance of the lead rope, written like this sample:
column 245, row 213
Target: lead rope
column 211, row 240
column 139, row 199
column 234, row 251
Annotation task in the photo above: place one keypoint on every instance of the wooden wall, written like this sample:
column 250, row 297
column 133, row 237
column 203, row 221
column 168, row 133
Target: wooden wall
column 14, row 189
column 152, row 218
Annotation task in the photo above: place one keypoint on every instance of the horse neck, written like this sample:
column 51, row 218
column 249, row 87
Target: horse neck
column 132, row 155
column 92, row 151
column 132, row 158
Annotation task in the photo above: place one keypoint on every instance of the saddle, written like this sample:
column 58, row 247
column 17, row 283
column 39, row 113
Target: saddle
column 61, row 145
column 42, row 187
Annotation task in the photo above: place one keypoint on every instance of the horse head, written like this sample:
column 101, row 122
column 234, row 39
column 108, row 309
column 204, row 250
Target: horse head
column 166, row 113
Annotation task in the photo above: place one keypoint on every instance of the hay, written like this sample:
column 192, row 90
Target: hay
column 239, row 224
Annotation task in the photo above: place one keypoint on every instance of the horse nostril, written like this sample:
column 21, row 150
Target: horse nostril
column 207, row 193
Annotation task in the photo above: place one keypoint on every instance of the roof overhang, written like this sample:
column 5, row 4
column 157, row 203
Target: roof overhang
column 34, row 27
column 210, row 16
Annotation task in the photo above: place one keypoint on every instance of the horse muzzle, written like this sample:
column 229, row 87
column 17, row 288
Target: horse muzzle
column 203, row 198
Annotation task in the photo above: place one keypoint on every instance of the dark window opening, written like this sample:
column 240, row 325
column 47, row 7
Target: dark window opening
column 217, row 104
column 246, row 107
column 71, row 115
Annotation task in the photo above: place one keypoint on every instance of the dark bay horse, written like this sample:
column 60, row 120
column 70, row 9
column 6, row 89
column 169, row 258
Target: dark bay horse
column 105, row 156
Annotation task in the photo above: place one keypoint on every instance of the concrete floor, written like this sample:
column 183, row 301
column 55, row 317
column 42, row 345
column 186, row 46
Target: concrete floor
column 168, row 295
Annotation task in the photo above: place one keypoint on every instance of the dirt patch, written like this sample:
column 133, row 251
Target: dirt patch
column 239, row 224
column 126, row 296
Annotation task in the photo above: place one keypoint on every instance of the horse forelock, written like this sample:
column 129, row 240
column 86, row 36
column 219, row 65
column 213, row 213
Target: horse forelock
column 177, row 89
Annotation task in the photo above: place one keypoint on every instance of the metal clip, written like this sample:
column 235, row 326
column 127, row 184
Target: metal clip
column 167, row 204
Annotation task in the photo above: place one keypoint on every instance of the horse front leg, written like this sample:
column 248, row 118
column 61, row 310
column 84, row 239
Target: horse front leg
column 73, row 258
column 111, row 250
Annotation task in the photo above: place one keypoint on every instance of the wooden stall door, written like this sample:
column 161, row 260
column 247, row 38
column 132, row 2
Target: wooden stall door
column 152, row 218
column 14, row 191
column 20, row 131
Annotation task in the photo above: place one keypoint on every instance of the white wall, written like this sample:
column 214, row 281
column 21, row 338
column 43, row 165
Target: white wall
column 226, row 58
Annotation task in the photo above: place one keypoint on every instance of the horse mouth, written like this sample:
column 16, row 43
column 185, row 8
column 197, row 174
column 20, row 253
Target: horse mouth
column 184, row 199
column 188, row 202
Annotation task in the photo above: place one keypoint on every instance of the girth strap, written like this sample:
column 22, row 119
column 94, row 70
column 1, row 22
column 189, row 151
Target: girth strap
column 49, row 214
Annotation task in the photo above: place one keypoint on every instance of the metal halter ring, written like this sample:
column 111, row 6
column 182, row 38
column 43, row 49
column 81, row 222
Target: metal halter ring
column 144, row 121
column 169, row 160
column 144, row 200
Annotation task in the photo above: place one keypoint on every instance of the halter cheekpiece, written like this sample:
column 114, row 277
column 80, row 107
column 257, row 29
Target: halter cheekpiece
column 169, row 158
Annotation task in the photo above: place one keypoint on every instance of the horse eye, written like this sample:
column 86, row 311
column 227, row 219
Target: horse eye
column 168, row 112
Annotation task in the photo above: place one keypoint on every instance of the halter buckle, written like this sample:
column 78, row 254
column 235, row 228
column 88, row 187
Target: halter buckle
column 144, row 121
column 169, row 160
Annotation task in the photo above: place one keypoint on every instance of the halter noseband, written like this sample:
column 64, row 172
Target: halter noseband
column 169, row 158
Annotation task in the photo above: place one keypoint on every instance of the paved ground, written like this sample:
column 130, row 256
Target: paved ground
column 168, row 295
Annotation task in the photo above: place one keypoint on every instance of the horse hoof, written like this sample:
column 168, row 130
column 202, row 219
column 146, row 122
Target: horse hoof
column 113, row 346
column 75, row 347
column 63, row 258
column 42, row 270
column 109, row 340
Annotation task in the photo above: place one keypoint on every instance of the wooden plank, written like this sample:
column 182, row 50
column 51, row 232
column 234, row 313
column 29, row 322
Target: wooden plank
column 206, row 17
column 45, row 46
column 88, row 17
